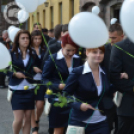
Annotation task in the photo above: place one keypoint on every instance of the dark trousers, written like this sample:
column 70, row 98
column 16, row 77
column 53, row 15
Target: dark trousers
column 2, row 79
column 112, row 118
column 125, row 125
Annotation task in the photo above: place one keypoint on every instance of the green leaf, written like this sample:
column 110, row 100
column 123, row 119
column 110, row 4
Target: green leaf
column 36, row 89
column 10, row 63
column 4, row 71
column 58, row 95
column 56, row 104
column 49, row 83
column 61, row 105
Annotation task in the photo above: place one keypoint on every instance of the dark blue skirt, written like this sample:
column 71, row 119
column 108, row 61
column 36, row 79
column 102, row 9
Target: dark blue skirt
column 97, row 128
column 23, row 100
column 40, row 94
column 58, row 117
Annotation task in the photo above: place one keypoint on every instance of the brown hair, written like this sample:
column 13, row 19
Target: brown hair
column 37, row 33
column 65, row 28
column 116, row 27
column 16, row 42
column 36, row 24
column 57, row 31
column 102, row 48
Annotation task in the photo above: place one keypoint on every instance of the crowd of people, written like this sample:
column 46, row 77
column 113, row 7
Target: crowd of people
column 91, row 76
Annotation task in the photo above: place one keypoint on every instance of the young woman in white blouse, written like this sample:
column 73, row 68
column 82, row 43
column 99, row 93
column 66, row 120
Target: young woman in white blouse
column 25, row 62
column 89, row 84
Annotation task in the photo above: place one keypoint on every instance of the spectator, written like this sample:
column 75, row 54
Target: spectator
column 45, row 31
column 51, row 33
column 37, row 26
column 55, row 44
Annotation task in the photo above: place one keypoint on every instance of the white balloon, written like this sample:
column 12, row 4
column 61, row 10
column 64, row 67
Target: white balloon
column 40, row 2
column 5, row 57
column 12, row 33
column 23, row 16
column 113, row 21
column 11, row 27
column 28, row 5
column 88, row 30
column 96, row 10
column 127, row 18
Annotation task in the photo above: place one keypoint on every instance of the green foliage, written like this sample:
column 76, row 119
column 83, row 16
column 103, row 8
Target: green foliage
column 49, row 83
column 10, row 63
column 36, row 89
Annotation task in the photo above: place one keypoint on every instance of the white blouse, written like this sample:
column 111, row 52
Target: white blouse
column 24, row 82
column 97, row 116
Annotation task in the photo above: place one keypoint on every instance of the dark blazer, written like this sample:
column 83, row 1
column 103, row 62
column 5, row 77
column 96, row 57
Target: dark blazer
column 18, row 65
column 54, row 48
column 50, row 73
column 121, row 62
column 106, row 61
column 40, row 60
column 83, row 87
column 106, row 64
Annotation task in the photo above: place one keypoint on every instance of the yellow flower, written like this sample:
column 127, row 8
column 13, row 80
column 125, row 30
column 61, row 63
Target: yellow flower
column 26, row 87
column 49, row 92
column 79, row 52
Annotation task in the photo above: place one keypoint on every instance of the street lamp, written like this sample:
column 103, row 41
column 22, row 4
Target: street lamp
column 46, row 4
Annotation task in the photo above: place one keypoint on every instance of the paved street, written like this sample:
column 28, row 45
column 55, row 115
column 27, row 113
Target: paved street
column 6, row 116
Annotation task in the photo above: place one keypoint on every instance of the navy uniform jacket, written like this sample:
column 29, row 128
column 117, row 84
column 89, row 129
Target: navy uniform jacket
column 83, row 87
column 40, row 60
column 18, row 65
column 50, row 72
column 120, row 62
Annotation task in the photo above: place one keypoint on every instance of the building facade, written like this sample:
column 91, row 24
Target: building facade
column 54, row 12
column 109, row 8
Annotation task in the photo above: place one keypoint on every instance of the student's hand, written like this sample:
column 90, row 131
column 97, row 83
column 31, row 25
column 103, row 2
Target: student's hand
column 84, row 107
column 37, row 70
column 61, row 86
column 19, row 75
column 124, row 75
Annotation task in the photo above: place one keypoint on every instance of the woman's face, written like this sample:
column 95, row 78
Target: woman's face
column 24, row 40
column 68, row 50
column 37, row 40
column 95, row 56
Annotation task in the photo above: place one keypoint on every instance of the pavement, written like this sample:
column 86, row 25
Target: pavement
column 6, row 116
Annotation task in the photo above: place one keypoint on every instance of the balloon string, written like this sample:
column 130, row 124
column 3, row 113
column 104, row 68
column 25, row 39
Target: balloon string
column 124, row 51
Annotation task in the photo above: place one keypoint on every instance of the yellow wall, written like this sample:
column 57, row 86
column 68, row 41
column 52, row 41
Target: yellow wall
column 43, row 14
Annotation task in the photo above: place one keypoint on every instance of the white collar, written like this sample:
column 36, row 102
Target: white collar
column 20, row 51
column 87, row 69
column 61, row 56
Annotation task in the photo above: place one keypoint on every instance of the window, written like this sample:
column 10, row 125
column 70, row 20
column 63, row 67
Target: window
column 71, row 8
column 52, row 17
column 4, row 2
column 115, row 11
column 38, row 17
column 60, row 13
column 44, row 17
column 33, row 19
